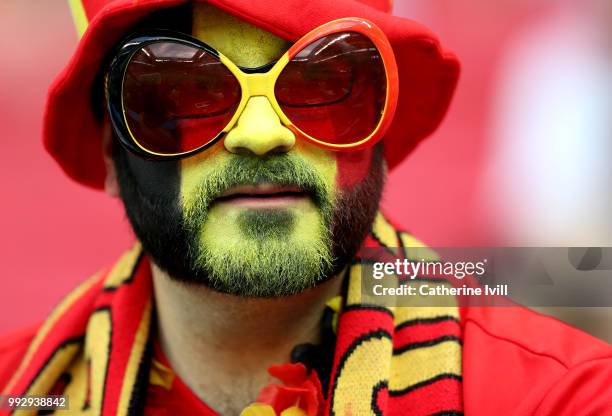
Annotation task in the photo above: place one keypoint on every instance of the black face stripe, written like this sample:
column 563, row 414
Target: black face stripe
column 150, row 191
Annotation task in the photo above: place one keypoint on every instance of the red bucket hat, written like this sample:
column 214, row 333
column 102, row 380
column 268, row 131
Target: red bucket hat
column 73, row 134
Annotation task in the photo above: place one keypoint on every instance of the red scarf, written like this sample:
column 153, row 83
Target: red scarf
column 96, row 347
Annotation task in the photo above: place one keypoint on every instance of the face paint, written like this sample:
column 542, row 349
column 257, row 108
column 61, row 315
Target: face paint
column 192, row 233
column 353, row 167
column 244, row 44
column 260, row 252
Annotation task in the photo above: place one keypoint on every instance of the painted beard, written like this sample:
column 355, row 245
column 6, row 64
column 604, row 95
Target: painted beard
column 271, row 259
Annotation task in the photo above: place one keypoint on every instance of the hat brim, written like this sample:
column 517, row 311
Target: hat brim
column 427, row 74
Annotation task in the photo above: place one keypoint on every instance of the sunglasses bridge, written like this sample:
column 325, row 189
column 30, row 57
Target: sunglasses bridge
column 259, row 85
column 257, row 82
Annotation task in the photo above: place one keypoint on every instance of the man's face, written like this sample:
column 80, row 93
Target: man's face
column 262, row 212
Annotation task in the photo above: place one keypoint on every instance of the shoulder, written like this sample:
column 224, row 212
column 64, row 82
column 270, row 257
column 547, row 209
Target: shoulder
column 13, row 347
column 515, row 358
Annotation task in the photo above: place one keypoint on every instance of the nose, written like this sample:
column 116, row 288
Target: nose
column 259, row 131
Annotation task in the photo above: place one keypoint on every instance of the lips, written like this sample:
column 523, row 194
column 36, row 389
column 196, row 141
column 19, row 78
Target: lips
column 263, row 196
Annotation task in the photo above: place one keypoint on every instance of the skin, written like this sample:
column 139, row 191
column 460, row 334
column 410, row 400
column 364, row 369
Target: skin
column 245, row 335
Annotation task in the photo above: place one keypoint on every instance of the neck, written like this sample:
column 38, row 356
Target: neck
column 221, row 345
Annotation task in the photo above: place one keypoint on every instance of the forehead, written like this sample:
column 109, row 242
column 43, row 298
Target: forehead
column 243, row 43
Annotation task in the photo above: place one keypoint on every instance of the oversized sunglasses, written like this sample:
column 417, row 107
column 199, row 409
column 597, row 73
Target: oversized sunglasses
column 170, row 95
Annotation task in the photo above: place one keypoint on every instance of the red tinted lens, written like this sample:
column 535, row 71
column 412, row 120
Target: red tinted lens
column 335, row 88
column 177, row 97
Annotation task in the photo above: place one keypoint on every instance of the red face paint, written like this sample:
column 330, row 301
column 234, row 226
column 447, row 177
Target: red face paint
column 353, row 167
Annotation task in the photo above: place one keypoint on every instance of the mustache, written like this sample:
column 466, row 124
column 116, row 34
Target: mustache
column 280, row 170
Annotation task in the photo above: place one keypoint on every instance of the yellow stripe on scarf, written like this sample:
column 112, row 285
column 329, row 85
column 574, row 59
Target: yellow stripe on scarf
column 48, row 324
column 421, row 364
column 405, row 314
column 385, row 232
column 47, row 377
column 131, row 372
column 97, row 347
column 88, row 370
column 123, row 268
column 356, row 381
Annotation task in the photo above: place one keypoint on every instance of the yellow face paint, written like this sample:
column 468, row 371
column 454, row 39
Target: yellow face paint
column 244, row 44
column 221, row 230
column 259, row 131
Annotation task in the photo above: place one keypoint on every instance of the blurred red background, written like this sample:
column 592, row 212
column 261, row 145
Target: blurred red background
column 55, row 233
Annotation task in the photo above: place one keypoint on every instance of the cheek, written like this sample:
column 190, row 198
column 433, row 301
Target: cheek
column 195, row 169
column 353, row 167
column 341, row 170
